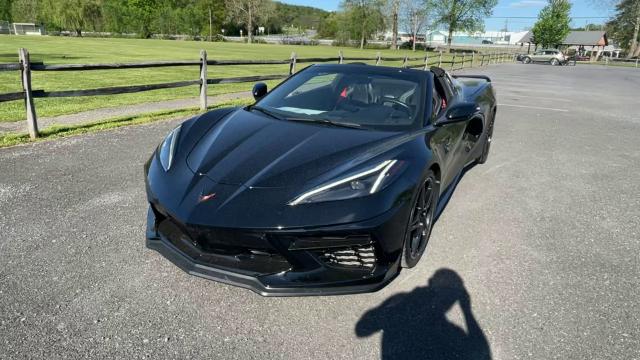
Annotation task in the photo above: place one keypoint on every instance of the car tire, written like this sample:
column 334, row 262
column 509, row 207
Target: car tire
column 554, row 62
column 526, row 60
column 420, row 221
column 487, row 142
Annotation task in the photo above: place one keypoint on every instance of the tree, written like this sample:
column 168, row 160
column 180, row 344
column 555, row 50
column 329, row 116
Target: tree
column 463, row 15
column 588, row 27
column 74, row 15
column 25, row 10
column 625, row 26
column 553, row 23
column 249, row 12
column 142, row 12
column 365, row 17
column 302, row 17
column 415, row 14
column 5, row 10
column 395, row 10
column 329, row 26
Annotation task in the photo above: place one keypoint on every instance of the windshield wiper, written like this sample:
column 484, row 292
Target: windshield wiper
column 327, row 122
column 266, row 112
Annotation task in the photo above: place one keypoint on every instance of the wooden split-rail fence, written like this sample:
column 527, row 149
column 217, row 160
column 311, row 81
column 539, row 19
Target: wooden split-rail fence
column 455, row 61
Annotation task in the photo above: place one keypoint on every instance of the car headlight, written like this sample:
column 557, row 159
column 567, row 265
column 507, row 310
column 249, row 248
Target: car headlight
column 167, row 149
column 360, row 184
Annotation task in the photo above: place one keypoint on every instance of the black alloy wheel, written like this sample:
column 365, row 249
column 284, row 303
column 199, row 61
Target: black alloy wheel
column 420, row 222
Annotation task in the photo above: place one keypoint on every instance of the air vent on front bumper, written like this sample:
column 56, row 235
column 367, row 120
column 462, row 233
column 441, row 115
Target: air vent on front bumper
column 358, row 257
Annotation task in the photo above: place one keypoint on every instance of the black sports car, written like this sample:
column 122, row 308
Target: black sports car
column 328, row 184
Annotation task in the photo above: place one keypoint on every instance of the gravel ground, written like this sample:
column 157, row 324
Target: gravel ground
column 545, row 237
column 110, row 113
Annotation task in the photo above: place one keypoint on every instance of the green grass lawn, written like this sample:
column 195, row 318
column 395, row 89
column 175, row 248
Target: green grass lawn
column 58, row 131
column 61, row 50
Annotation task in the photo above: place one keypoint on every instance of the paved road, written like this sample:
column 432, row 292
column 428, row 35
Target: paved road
column 546, row 237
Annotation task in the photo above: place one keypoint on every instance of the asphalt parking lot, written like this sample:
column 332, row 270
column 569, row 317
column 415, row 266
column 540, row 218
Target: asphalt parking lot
column 545, row 236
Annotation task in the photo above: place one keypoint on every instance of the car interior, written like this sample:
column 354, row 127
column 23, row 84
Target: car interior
column 364, row 99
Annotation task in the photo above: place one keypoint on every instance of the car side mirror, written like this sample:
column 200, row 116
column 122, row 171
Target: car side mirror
column 458, row 113
column 259, row 90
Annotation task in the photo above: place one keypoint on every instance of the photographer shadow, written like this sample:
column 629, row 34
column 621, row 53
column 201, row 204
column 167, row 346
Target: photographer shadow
column 414, row 325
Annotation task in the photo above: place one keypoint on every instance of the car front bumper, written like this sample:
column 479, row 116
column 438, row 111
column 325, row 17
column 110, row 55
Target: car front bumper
column 333, row 260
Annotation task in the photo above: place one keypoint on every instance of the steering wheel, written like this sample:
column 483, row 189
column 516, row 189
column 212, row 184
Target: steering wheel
column 402, row 105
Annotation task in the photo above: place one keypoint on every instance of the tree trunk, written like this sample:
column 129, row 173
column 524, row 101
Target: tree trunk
column 415, row 32
column 449, row 38
column 79, row 32
column 633, row 49
column 362, row 35
column 394, row 41
column 249, row 25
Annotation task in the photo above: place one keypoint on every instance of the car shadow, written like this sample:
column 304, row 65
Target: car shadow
column 414, row 325
column 448, row 194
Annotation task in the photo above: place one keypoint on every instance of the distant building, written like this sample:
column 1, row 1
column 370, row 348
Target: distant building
column 477, row 38
column 437, row 37
column 586, row 38
column 589, row 43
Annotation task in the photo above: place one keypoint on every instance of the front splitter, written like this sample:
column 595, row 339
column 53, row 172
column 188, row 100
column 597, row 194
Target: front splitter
column 174, row 255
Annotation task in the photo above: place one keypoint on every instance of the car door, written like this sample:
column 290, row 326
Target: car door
column 537, row 56
column 447, row 138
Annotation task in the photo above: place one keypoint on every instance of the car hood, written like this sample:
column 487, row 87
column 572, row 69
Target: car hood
column 256, row 151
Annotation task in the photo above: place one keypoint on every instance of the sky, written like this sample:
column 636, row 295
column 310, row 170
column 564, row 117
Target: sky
column 510, row 8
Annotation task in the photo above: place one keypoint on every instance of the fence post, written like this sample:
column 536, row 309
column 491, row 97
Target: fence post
column 378, row 58
column 426, row 61
column 453, row 62
column 464, row 56
column 341, row 58
column 404, row 62
column 637, row 62
column 473, row 58
column 203, row 80
column 292, row 63
column 25, row 76
column 440, row 60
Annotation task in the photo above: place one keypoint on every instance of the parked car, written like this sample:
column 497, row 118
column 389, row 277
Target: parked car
column 551, row 56
column 328, row 184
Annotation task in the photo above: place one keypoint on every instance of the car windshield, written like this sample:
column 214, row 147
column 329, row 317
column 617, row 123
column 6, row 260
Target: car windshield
column 350, row 96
